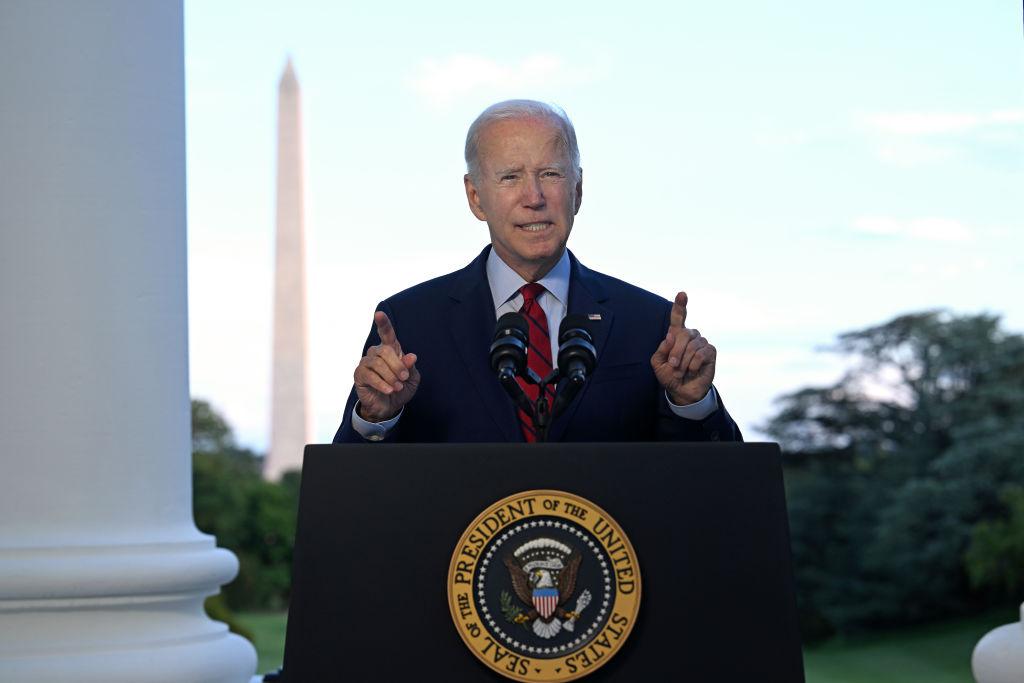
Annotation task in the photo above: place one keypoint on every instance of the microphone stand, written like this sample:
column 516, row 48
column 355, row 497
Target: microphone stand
column 542, row 412
column 507, row 377
column 542, row 416
column 567, row 394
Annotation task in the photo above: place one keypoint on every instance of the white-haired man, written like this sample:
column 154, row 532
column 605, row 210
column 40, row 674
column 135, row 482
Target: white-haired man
column 653, row 379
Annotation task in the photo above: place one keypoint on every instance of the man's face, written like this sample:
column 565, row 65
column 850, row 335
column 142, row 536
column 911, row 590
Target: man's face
column 527, row 192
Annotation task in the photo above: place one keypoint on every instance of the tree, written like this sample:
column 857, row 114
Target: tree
column 253, row 518
column 995, row 558
column 890, row 469
column 210, row 433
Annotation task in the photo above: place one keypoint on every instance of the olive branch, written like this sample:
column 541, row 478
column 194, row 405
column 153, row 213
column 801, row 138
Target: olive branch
column 511, row 611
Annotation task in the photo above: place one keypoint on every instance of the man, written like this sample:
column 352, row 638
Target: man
column 653, row 379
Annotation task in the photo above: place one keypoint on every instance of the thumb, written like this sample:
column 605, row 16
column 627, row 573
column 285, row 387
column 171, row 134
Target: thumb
column 678, row 316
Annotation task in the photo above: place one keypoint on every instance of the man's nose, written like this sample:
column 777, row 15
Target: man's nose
column 533, row 193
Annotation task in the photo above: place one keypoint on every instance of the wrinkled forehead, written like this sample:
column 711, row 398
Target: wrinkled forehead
column 523, row 136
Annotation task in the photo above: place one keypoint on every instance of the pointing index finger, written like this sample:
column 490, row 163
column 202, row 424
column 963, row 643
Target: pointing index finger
column 384, row 329
column 678, row 316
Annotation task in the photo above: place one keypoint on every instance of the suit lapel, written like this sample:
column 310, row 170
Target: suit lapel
column 471, row 321
column 586, row 297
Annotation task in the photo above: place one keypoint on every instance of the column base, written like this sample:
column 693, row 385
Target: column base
column 217, row 658
column 999, row 655
column 118, row 614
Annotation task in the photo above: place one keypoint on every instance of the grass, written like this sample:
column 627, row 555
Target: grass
column 933, row 653
column 268, row 635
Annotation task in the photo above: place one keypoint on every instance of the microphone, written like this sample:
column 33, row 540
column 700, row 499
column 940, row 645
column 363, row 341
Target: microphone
column 508, row 350
column 576, row 358
column 576, row 354
column 508, row 357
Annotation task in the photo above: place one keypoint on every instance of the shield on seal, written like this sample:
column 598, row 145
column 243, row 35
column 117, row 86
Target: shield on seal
column 545, row 600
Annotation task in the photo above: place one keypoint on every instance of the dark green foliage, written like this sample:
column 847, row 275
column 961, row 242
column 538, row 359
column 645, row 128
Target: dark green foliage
column 890, row 469
column 210, row 433
column 252, row 517
column 995, row 558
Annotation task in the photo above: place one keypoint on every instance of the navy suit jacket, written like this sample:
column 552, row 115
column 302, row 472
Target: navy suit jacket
column 448, row 322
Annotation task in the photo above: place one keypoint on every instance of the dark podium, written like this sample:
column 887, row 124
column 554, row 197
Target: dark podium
column 378, row 525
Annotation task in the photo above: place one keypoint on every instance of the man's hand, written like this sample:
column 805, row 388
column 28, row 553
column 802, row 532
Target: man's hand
column 684, row 362
column 385, row 378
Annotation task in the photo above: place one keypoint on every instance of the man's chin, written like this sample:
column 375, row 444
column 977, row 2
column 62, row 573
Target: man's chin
column 540, row 264
column 542, row 249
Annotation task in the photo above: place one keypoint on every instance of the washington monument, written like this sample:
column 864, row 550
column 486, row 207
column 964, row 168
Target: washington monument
column 289, row 427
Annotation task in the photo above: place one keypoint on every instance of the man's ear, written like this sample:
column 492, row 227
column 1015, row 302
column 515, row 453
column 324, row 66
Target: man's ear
column 473, row 197
column 579, row 191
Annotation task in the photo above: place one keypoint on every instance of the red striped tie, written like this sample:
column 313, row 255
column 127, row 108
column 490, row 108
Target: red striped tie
column 539, row 356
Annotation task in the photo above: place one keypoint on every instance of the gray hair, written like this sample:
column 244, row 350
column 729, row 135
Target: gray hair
column 521, row 109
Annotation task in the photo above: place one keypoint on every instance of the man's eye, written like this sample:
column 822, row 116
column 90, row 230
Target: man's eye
column 551, row 174
column 506, row 178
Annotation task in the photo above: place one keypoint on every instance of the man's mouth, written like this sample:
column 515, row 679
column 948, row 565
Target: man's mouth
column 535, row 227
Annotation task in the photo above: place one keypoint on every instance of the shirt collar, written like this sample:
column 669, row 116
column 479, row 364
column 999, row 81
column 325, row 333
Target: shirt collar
column 505, row 282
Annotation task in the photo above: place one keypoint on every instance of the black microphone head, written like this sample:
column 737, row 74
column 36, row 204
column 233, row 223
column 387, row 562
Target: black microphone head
column 574, row 324
column 508, row 348
column 512, row 323
column 575, row 345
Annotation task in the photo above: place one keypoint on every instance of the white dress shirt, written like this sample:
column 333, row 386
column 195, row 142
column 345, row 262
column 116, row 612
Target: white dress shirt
column 505, row 284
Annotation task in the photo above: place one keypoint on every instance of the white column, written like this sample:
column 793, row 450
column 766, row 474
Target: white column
column 999, row 655
column 102, row 571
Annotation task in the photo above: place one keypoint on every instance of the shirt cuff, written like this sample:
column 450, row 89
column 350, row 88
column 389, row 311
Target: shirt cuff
column 373, row 431
column 694, row 411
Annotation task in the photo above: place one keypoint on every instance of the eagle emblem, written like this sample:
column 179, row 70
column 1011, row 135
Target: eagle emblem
column 543, row 573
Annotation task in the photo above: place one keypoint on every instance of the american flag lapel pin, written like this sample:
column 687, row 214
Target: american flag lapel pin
column 593, row 316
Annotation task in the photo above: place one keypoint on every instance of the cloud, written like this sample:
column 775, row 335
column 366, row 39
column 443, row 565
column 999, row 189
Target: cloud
column 915, row 138
column 939, row 123
column 913, row 153
column 441, row 81
column 930, row 229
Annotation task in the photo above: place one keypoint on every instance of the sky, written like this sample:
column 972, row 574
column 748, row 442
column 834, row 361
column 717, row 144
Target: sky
column 800, row 169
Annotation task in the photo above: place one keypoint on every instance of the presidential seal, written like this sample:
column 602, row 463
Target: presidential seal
column 544, row 586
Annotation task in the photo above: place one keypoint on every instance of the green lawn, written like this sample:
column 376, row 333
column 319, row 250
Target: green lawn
column 268, row 633
column 936, row 653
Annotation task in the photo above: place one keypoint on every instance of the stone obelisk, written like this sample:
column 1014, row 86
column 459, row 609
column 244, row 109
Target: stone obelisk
column 289, row 423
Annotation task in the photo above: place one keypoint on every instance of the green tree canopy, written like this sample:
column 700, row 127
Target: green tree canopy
column 210, row 433
column 252, row 517
column 889, row 470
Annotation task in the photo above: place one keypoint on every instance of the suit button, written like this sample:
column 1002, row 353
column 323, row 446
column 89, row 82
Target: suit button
column 714, row 436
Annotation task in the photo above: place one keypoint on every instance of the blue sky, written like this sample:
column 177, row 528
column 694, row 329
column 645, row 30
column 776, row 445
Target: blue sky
column 800, row 169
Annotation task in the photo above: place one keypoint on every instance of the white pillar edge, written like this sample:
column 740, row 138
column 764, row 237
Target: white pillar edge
column 131, row 613
column 999, row 655
column 103, row 574
column 124, row 571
